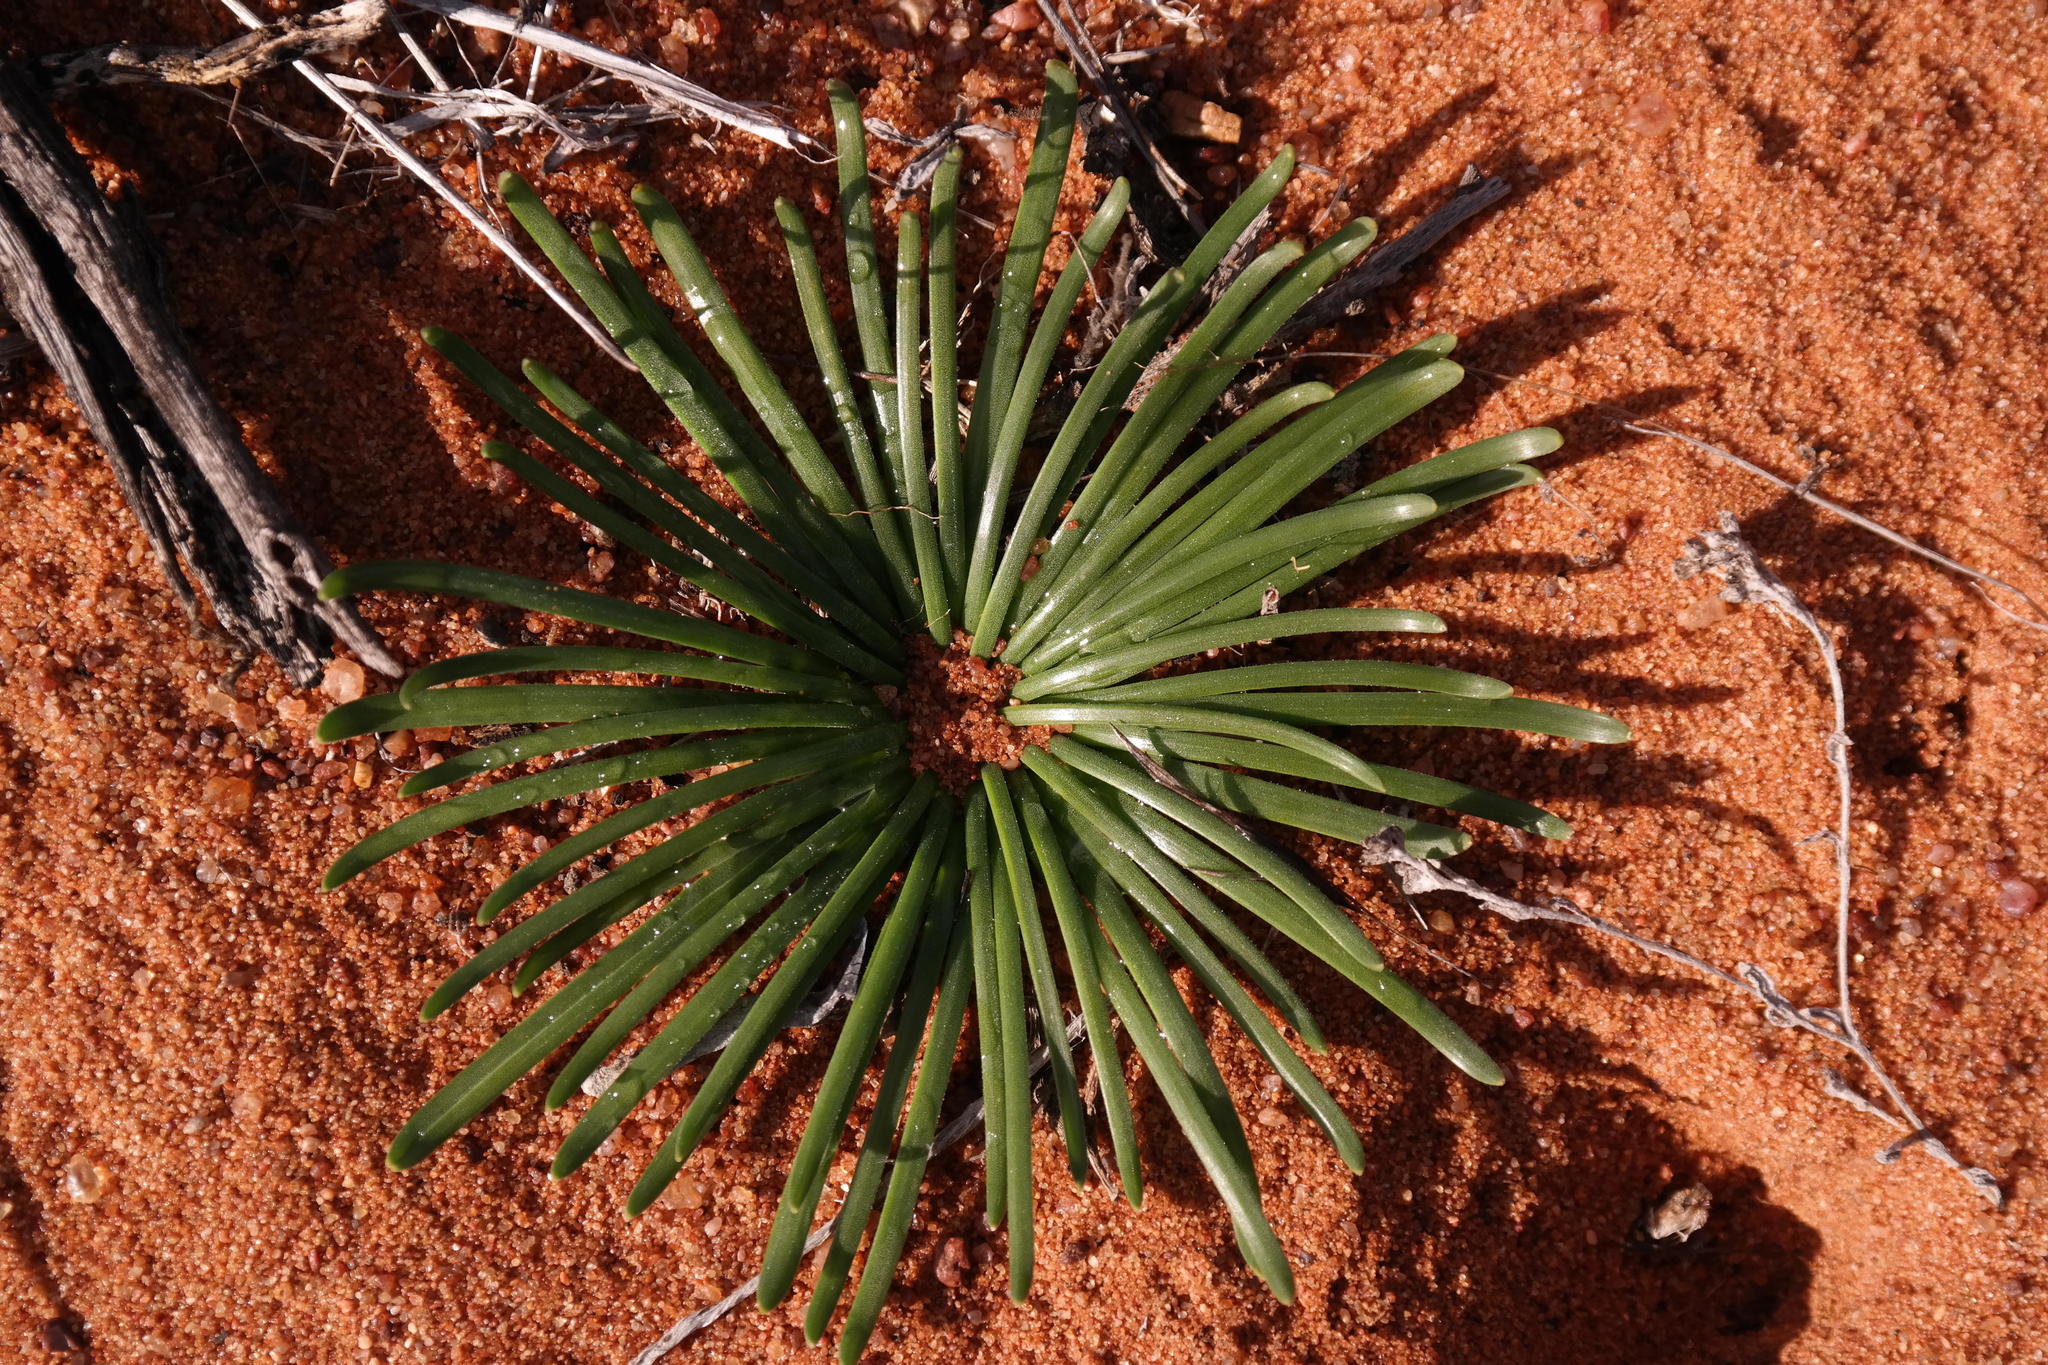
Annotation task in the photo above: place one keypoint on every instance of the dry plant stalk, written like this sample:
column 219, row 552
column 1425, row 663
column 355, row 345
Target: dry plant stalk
column 1747, row 580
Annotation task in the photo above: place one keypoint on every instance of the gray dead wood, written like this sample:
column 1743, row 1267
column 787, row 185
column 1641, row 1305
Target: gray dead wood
column 287, row 40
column 81, row 278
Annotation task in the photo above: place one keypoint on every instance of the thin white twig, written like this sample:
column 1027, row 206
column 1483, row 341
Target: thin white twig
column 662, row 86
column 1977, row 578
column 1746, row 578
column 963, row 1123
column 420, row 171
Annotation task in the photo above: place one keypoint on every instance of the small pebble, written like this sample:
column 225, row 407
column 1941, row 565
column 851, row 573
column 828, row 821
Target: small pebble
column 84, row 1182
column 949, row 1263
column 1018, row 18
column 684, row 1192
column 1270, row 1117
column 1650, row 114
column 1941, row 855
column 2017, row 897
column 1440, row 922
column 230, row 795
column 1704, row 613
column 343, row 681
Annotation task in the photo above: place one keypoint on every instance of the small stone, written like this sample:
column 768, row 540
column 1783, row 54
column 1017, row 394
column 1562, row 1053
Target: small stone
column 1704, row 613
column 2017, row 897
column 84, row 1181
column 207, row 872
column 1191, row 116
column 1021, row 17
column 949, row 1263
column 293, row 710
column 1941, row 855
column 59, row 1337
column 1440, row 922
column 684, row 1192
column 343, row 681
column 1593, row 16
column 1270, row 1117
column 1678, row 1214
column 229, row 795
column 1650, row 114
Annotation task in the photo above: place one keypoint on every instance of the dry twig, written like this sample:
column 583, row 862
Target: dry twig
column 953, row 1133
column 288, row 40
column 663, row 87
column 1724, row 552
column 1073, row 36
column 80, row 276
column 423, row 173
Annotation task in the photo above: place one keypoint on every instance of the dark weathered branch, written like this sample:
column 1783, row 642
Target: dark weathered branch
column 82, row 281
column 1072, row 35
column 277, row 44
column 1352, row 291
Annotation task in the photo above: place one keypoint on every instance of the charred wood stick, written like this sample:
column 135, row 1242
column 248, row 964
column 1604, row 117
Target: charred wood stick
column 82, row 280
column 1350, row 293
column 277, row 44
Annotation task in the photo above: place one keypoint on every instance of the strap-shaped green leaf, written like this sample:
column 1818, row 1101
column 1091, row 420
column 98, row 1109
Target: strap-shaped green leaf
column 1219, row 682
column 573, row 604
column 1102, row 670
column 915, row 904
column 943, row 950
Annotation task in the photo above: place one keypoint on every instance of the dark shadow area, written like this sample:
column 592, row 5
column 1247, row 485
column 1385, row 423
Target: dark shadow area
column 1538, row 1256
column 26, row 1224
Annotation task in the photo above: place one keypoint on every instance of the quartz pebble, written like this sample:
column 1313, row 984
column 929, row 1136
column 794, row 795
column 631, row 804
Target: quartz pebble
column 1018, row 18
column 949, row 1264
column 2017, row 897
column 684, row 1192
column 84, row 1181
column 1650, row 114
column 343, row 681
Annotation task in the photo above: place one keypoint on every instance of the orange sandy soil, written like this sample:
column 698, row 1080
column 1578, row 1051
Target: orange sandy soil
column 1831, row 251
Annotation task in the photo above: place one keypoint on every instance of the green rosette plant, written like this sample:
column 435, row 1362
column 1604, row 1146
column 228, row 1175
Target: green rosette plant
column 1069, row 555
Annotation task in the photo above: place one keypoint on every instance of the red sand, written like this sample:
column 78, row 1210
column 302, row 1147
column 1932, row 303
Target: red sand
column 1808, row 233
